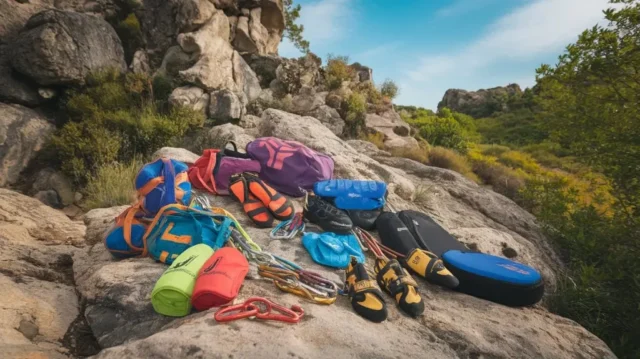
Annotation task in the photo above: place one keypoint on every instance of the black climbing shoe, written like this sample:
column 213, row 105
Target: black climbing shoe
column 328, row 217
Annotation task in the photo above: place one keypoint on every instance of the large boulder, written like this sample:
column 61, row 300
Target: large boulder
column 363, row 73
column 294, row 74
column 48, row 179
column 23, row 132
column 481, row 103
column 62, row 48
column 192, row 97
column 454, row 325
column 15, row 88
column 329, row 117
column 264, row 67
column 39, row 301
column 396, row 132
column 225, row 105
column 260, row 27
column 178, row 154
column 214, row 67
column 192, row 14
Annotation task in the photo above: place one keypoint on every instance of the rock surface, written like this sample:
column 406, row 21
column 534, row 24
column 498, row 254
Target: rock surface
column 225, row 105
column 395, row 130
column 191, row 97
column 454, row 325
column 23, row 132
column 62, row 48
column 178, row 154
column 481, row 103
column 48, row 179
column 39, row 301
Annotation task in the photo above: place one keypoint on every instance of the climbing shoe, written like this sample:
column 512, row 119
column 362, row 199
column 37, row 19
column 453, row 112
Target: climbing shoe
column 253, row 207
column 366, row 298
column 396, row 281
column 328, row 217
column 428, row 266
column 279, row 205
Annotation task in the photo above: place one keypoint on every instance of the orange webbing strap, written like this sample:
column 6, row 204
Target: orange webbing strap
column 208, row 177
column 129, row 215
column 153, row 183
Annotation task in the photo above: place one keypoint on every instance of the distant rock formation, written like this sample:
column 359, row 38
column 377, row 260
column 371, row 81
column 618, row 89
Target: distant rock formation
column 481, row 103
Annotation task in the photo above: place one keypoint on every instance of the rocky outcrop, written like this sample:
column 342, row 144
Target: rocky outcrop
column 481, row 103
column 264, row 67
column 62, row 48
column 49, row 180
column 39, row 301
column 294, row 74
column 191, row 97
column 23, row 132
column 225, row 105
column 363, row 73
column 453, row 325
column 396, row 132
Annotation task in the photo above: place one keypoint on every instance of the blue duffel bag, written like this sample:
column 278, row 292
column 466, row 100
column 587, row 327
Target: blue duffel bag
column 352, row 194
column 495, row 278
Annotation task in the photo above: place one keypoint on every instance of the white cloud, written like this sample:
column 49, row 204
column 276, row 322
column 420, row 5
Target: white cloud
column 460, row 7
column 539, row 28
column 375, row 51
column 324, row 21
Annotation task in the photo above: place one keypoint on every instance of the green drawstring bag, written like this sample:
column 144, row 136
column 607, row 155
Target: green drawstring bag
column 171, row 295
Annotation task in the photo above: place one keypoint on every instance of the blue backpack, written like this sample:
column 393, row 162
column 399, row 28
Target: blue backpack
column 162, row 182
column 176, row 228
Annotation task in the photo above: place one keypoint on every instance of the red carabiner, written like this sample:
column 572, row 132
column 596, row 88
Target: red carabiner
column 260, row 308
column 235, row 312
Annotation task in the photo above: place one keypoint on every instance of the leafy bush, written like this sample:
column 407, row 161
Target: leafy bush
column 493, row 150
column 413, row 153
column 354, row 112
column 389, row 89
column 128, row 31
column 112, row 185
column 114, row 119
column 337, row 71
column 377, row 138
column 522, row 160
column 443, row 131
column 503, row 179
column 449, row 159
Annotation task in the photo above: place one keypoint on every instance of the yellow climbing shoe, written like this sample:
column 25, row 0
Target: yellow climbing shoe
column 428, row 266
column 396, row 281
column 366, row 298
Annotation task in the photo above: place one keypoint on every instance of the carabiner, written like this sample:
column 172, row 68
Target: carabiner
column 244, row 310
column 287, row 315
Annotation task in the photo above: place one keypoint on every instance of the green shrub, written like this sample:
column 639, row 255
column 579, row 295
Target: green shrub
column 414, row 153
column 493, row 150
column 502, row 179
column 517, row 159
column 128, row 31
column 162, row 88
column 376, row 138
column 354, row 112
column 389, row 89
column 443, row 131
column 449, row 159
column 114, row 119
column 337, row 71
column 112, row 185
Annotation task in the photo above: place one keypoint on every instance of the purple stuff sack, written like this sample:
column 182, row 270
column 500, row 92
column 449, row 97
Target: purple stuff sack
column 288, row 166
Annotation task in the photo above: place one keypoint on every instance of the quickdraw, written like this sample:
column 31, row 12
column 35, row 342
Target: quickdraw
column 289, row 228
column 286, row 275
column 379, row 250
column 261, row 308
column 306, row 284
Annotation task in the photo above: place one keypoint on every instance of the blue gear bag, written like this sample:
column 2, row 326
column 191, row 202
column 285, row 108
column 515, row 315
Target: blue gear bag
column 333, row 250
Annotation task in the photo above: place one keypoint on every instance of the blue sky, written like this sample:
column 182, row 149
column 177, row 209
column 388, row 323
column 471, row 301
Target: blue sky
column 429, row 46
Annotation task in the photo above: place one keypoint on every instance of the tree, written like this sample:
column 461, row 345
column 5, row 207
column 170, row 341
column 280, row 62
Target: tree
column 590, row 100
column 589, row 103
column 389, row 89
column 293, row 31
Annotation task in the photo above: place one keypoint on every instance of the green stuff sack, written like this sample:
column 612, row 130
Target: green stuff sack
column 171, row 295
